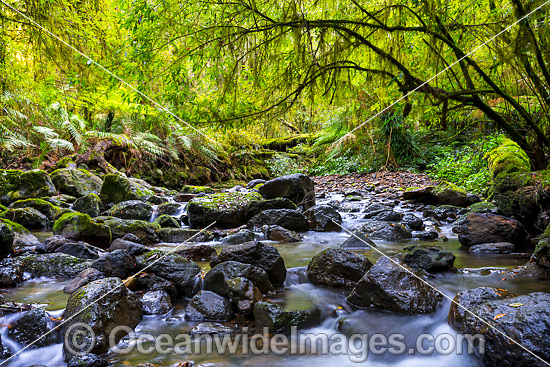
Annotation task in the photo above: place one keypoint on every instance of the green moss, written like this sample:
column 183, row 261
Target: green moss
column 189, row 189
column 508, row 158
column 44, row 207
column 117, row 188
column 16, row 228
column 166, row 221
column 81, row 227
column 483, row 207
column 18, row 185
column 541, row 256
column 221, row 201
column 147, row 232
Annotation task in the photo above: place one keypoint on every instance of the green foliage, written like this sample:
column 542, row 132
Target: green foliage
column 283, row 164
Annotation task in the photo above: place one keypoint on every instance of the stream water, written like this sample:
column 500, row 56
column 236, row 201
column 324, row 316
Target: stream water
column 474, row 271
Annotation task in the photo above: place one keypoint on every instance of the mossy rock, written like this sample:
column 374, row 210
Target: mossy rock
column 6, row 240
column 484, row 207
column 15, row 227
column 76, row 182
column 132, row 209
column 117, row 188
column 228, row 210
column 81, row 227
column 54, row 265
column 48, row 209
column 280, row 320
column 88, row 204
column 62, row 201
column 18, row 185
column 448, row 193
column 27, row 217
column 166, row 221
column 508, row 158
column 541, row 256
column 190, row 189
column 147, row 232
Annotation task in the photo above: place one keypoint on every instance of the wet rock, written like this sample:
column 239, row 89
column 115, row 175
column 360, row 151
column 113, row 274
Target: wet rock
column 377, row 230
column 172, row 267
column 183, row 198
column 156, row 303
column 418, row 194
column 297, row 187
column 11, row 272
column 81, row 227
column 324, row 218
column 168, row 209
column 490, row 228
column 286, row 218
column 280, row 234
column 44, row 207
column 152, row 282
column 277, row 203
column 258, row 254
column 208, row 306
column 190, row 189
column 228, row 210
column 541, row 255
column 388, row 216
column 84, row 277
column 133, row 248
column 472, row 298
column 118, row 306
column 412, row 222
column 243, row 295
column 389, row 287
column 88, row 204
column 132, row 209
column 211, row 328
column 430, row 258
column 493, row 248
column 447, row 193
column 148, row 233
column 157, row 200
column 180, row 235
column 54, row 265
column 280, row 320
column 81, row 250
column 29, row 327
column 337, row 268
column 252, row 184
column 198, row 253
column 51, row 244
column 525, row 318
column 374, row 209
column 87, row 360
column 27, row 217
column 76, row 182
column 117, row 188
column 166, row 221
column 18, row 185
column 426, row 235
column 216, row 279
column 358, row 240
column 118, row 263
column 6, row 240
column 242, row 236
column 484, row 207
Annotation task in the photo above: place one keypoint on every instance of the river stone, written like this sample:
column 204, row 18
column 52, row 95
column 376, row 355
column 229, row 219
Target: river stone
column 280, row 320
column 286, row 218
column 389, row 287
column 29, row 327
column 388, row 216
column 81, row 227
column 76, row 182
column 277, row 203
column 6, row 240
column 526, row 319
column 54, row 265
column 88, row 204
column 133, row 248
column 386, row 231
column 242, row 236
column 216, row 279
column 358, row 240
column 374, row 209
column 256, row 253
column 148, row 233
column 412, row 222
column 243, row 295
column 337, row 268
column 493, row 248
column 197, row 252
column 169, row 209
column 280, row 234
column 178, row 269
column 11, row 272
column 48, row 209
column 116, row 306
column 324, row 218
column 152, row 282
column 469, row 299
column 117, row 188
column 84, row 277
column 297, row 187
column 51, row 244
column 88, row 360
column 27, row 217
column 430, row 258
column 118, row 263
column 82, row 250
column 166, row 221
column 211, row 328
column 132, row 209
column 18, row 185
column 490, row 228
column 208, row 306
column 180, row 235
column 156, row 303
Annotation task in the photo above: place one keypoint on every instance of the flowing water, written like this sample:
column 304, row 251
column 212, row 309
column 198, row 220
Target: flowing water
column 473, row 271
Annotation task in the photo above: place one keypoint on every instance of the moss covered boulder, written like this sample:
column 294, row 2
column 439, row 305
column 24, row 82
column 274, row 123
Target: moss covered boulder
column 21, row 236
column 280, row 319
column 27, row 217
column 148, row 233
column 18, row 185
column 76, row 182
column 228, row 210
column 88, row 204
column 6, row 240
column 132, row 209
column 81, row 227
column 166, row 221
column 55, row 265
column 189, row 189
column 117, row 188
column 48, row 209
column 541, row 256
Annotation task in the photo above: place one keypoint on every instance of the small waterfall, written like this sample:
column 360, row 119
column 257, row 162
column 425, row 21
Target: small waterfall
column 154, row 214
column 295, row 276
column 199, row 283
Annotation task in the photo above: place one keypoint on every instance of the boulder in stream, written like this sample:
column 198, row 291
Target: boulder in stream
column 297, row 187
column 117, row 188
column 88, row 204
column 81, row 227
column 337, row 268
column 208, row 306
column 216, row 279
column 131, row 209
column 280, row 320
column 490, row 228
column 76, row 182
column 286, row 218
column 430, row 258
column 324, row 218
column 18, row 185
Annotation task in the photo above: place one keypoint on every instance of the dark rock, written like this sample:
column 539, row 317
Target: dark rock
column 152, row 282
column 208, row 306
column 280, row 320
column 166, row 221
column 216, row 279
column 88, row 360
column 148, row 233
column 388, row 216
column 297, row 187
column 118, row 263
column 54, row 265
column 387, row 286
column 472, row 298
column 374, row 209
column 280, row 234
column 242, row 236
column 76, row 182
column 117, row 306
column 430, row 258
column 484, row 207
column 337, row 268
column 277, row 203
column 426, row 235
column 180, row 235
column 28, row 217
column 83, row 278
column 6, row 240
column 133, row 209
column 418, row 194
column 490, row 228
column 53, row 243
column 286, row 218
column 198, row 253
column 324, row 218
column 211, row 328
column 48, row 209
column 243, row 295
column 386, row 231
column 132, row 238
column 157, row 200
column 184, row 198
column 31, row 326
column 11, row 272
column 81, row 250
column 117, row 188
column 494, row 248
column 255, row 183
column 156, row 303
column 412, row 222
column 256, row 253
column 169, row 209
column 133, row 248
column 89, row 204
column 358, row 240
